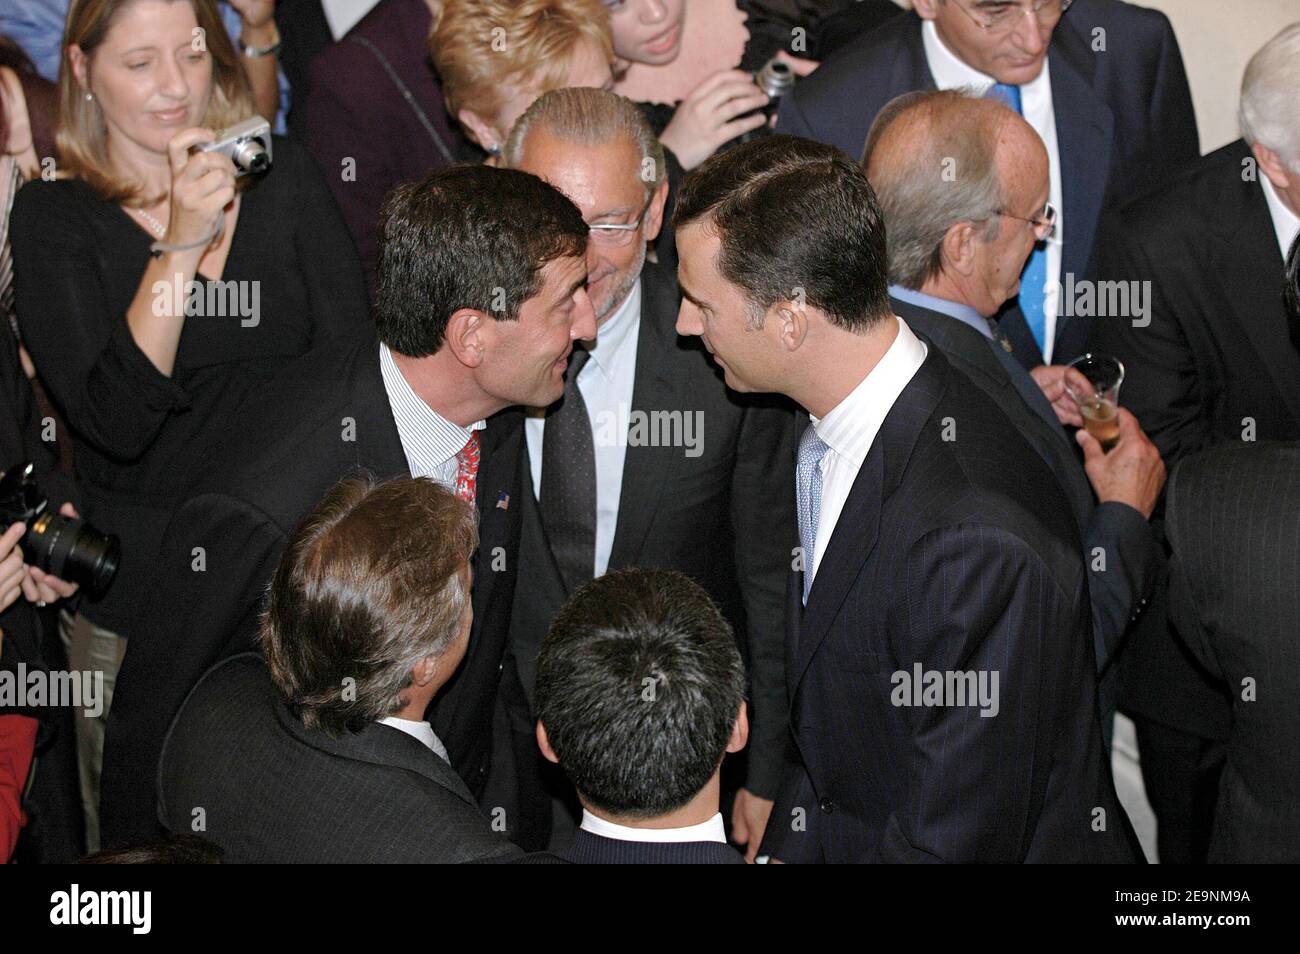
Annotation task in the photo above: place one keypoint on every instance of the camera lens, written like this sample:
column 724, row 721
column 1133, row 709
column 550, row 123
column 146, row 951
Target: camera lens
column 250, row 156
column 73, row 550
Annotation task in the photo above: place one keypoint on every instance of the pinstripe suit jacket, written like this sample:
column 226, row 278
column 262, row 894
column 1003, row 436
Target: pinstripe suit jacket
column 274, row 791
column 1233, row 521
column 958, row 552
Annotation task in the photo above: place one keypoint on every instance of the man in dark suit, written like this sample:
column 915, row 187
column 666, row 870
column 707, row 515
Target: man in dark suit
column 611, row 478
column 939, row 646
column 1211, row 363
column 466, row 329
column 376, row 116
column 1233, row 520
column 640, row 695
column 321, row 753
column 951, row 263
column 1100, row 81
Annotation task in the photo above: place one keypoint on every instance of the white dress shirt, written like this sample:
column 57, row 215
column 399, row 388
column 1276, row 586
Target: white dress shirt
column 850, row 428
column 711, row 830
column 1285, row 222
column 422, row 732
column 429, row 440
column 949, row 72
column 606, row 384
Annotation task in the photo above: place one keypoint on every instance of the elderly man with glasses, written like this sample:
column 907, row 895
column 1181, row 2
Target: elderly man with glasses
column 956, row 249
column 648, row 459
column 1100, row 81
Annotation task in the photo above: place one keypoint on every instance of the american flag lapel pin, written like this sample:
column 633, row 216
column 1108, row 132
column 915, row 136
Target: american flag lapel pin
column 503, row 501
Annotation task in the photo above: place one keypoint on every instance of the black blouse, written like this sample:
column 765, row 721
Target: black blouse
column 291, row 281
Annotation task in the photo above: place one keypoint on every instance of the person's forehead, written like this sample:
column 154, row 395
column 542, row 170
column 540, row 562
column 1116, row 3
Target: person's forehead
column 613, row 164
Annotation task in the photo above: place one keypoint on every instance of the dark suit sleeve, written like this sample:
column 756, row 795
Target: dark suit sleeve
column 1171, row 118
column 205, row 611
column 1121, row 585
column 791, row 120
column 762, row 512
column 108, row 390
column 978, row 599
column 1162, row 386
column 328, row 259
column 1182, row 591
column 791, row 836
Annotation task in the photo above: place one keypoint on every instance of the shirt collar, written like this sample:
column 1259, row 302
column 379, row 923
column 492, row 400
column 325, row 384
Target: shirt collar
column 711, row 830
column 616, row 330
column 951, row 72
column 851, row 426
column 422, row 732
column 953, row 309
column 428, row 438
column 1285, row 222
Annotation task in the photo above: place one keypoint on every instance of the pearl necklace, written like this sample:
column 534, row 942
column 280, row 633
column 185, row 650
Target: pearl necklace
column 153, row 223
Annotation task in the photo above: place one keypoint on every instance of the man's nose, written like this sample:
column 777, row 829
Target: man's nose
column 584, row 318
column 688, row 322
column 1028, row 33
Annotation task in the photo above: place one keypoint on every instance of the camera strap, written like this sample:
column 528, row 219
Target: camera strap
column 407, row 95
column 157, row 249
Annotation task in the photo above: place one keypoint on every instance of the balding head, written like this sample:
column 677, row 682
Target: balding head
column 937, row 159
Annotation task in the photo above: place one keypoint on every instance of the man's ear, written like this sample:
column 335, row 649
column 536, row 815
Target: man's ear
column 958, row 248
column 1272, row 165
column 925, row 9
column 480, row 130
column 790, row 319
column 425, row 671
column 654, row 217
column 544, row 744
column 467, row 336
column 739, row 731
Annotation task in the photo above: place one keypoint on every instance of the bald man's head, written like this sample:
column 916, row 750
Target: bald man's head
column 944, row 160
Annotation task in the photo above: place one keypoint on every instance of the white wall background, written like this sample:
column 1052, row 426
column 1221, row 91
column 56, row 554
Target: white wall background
column 1217, row 38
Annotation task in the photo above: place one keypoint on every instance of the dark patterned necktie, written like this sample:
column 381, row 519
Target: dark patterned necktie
column 13, row 181
column 568, row 500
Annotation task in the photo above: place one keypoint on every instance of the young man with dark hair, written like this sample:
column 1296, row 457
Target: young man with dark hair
column 321, row 753
column 482, row 294
column 640, row 694
column 943, row 696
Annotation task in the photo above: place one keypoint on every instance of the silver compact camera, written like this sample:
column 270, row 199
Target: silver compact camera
column 246, row 144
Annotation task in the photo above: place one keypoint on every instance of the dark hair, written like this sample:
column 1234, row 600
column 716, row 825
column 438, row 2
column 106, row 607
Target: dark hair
column 639, row 683
column 794, row 214
column 42, row 99
column 182, row 849
column 468, row 236
column 369, row 584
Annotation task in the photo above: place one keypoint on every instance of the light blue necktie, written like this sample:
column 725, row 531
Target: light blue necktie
column 1034, row 277
column 808, row 499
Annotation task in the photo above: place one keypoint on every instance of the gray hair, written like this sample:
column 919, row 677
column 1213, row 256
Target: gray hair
column 590, row 117
column 1270, row 92
column 946, row 176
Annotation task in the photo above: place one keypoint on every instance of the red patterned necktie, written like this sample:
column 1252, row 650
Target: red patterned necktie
column 467, row 469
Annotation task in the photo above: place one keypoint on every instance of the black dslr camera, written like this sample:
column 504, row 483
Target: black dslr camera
column 66, row 547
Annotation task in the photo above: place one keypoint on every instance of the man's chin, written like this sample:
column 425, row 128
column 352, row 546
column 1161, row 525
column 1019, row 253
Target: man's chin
column 1019, row 75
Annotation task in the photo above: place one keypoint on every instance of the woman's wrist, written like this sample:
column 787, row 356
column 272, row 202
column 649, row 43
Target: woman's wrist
column 263, row 36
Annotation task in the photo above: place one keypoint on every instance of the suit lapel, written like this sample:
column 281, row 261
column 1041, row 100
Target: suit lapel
column 1246, row 250
column 855, row 534
column 1084, row 132
column 655, row 388
column 497, row 483
column 378, row 448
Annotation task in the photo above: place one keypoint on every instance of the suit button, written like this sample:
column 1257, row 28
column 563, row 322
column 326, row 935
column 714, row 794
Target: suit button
column 827, row 806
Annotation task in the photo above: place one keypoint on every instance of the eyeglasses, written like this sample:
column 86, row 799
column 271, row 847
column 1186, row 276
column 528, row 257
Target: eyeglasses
column 1003, row 17
column 619, row 234
column 1044, row 222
